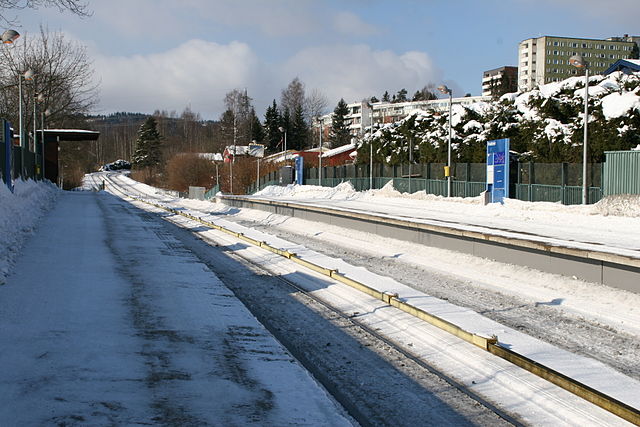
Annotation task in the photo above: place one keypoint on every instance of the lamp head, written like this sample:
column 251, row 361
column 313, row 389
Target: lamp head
column 577, row 61
column 444, row 89
column 9, row 36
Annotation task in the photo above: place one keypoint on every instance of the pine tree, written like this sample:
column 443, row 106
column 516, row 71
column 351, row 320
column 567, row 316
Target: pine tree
column 385, row 97
column 635, row 52
column 339, row 127
column 147, row 151
column 299, row 135
column 272, row 123
column 257, row 132
column 228, row 127
column 374, row 99
column 402, row 96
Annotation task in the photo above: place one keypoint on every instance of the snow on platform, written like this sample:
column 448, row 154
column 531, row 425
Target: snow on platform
column 106, row 319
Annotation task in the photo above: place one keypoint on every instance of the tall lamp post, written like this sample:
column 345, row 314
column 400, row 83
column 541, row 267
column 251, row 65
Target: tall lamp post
column 39, row 97
column 579, row 62
column 44, row 114
column 370, row 146
column 320, row 154
column 27, row 75
column 444, row 89
column 284, row 131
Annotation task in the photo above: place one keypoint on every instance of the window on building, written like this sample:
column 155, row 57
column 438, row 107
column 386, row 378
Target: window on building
column 555, row 52
column 555, row 43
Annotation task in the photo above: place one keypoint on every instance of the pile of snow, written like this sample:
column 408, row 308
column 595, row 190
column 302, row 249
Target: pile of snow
column 343, row 191
column 619, row 205
column 19, row 214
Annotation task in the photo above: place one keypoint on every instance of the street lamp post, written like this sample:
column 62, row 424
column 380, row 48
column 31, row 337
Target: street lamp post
column 44, row 158
column 444, row 89
column 284, row 131
column 410, row 161
column 579, row 62
column 39, row 97
column 370, row 146
column 27, row 75
column 320, row 155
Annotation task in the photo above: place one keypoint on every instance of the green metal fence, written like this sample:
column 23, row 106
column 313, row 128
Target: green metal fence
column 535, row 182
column 565, row 194
column 212, row 193
column 621, row 174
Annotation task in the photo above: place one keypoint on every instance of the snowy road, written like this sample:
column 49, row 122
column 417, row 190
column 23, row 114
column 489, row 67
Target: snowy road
column 109, row 320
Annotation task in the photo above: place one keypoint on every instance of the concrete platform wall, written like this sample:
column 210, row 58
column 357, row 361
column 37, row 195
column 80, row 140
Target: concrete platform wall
column 612, row 270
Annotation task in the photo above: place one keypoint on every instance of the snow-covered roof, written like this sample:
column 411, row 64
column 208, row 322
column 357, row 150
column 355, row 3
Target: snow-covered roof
column 625, row 65
column 339, row 150
column 214, row 157
column 237, row 150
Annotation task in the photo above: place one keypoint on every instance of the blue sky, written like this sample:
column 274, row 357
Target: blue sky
column 162, row 54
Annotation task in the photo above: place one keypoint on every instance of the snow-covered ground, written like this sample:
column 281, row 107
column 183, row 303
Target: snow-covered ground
column 107, row 320
column 506, row 275
column 614, row 309
column 19, row 214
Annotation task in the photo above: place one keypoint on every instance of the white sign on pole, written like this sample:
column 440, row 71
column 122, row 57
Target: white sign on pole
column 256, row 150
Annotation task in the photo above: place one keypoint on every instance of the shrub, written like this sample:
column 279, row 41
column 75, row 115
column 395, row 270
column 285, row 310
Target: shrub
column 187, row 169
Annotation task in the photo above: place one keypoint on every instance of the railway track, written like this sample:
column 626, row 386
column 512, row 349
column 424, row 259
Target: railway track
column 489, row 344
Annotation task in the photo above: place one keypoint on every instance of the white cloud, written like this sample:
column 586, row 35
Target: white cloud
column 169, row 19
column 351, row 24
column 199, row 73
column 196, row 73
column 354, row 72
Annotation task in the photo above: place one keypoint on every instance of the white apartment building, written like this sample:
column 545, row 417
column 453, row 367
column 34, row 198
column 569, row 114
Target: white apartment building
column 545, row 59
column 360, row 116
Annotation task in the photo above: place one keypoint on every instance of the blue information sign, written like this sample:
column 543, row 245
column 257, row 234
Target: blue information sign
column 299, row 170
column 498, row 169
column 8, row 151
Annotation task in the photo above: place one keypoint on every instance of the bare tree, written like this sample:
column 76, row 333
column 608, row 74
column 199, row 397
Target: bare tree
column 316, row 104
column 293, row 97
column 238, row 103
column 63, row 80
column 77, row 7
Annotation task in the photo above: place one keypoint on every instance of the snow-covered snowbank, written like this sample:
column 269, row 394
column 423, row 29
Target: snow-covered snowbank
column 620, row 205
column 19, row 214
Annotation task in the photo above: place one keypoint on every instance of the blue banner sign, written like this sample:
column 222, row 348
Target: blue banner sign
column 8, row 151
column 498, row 169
